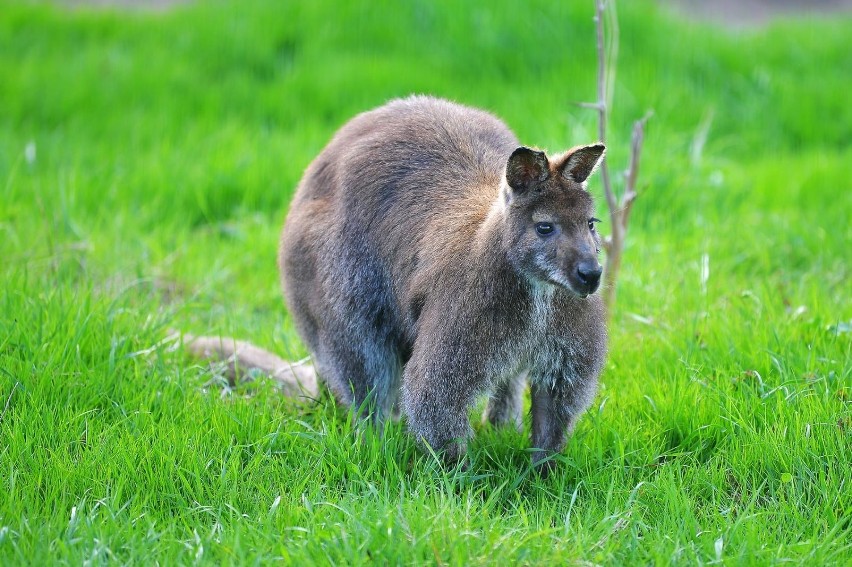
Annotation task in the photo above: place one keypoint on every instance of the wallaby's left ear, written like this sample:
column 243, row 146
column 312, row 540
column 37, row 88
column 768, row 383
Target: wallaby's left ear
column 526, row 168
column 581, row 162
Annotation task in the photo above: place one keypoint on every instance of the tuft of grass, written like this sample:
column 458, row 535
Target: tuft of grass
column 146, row 163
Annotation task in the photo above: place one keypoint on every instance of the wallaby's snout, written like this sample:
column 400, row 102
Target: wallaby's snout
column 589, row 275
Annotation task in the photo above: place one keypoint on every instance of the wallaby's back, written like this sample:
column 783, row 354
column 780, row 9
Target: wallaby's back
column 399, row 169
column 398, row 189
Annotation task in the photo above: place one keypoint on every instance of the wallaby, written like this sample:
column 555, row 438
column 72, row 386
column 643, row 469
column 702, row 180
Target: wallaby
column 428, row 258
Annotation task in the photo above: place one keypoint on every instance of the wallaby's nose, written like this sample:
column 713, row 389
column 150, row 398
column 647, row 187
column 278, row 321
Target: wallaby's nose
column 589, row 273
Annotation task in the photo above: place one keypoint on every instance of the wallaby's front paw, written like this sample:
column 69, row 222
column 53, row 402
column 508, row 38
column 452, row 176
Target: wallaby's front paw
column 451, row 452
column 544, row 462
column 454, row 452
column 503, row 417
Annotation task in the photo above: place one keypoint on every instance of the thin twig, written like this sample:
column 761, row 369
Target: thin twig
column 632, row 173
column 612, row 244
column 601, row 104
column 611, row 48
column 8, row 401
column 589, row 105
column 606, row 39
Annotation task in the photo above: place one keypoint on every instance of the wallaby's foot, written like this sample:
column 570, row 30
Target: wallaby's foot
column 505, row 406
column 297, row 380
column 446, row 435
column 363, row 374
column 454, row 452
column 544, row 462
column 554, row 412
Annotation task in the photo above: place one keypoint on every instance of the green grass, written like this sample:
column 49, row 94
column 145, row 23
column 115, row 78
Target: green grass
column 163, row 150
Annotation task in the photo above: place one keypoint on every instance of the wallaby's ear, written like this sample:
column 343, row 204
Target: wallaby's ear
column 525, row 168
column 581, row 162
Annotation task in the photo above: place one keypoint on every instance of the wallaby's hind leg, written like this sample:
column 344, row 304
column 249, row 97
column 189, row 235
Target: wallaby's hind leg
column 363, row 374
column 555, row 409
column 505, row 406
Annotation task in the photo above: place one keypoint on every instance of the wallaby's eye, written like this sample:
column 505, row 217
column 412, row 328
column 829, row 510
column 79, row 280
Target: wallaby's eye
column 592, row 222
column 544, row 228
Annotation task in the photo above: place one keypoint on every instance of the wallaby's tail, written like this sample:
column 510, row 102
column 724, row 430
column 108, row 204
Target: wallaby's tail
column 296, row 379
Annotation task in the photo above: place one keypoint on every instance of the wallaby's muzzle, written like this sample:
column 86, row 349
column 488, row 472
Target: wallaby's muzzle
column 589, row 274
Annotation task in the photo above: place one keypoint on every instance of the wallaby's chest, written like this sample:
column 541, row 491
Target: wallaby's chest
column 553, row 339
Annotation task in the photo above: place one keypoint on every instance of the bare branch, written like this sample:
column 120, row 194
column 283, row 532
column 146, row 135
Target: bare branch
column 602, row 85
column 600, row 6
column 589, row 105
column 611, row 35
column 636, row 150
column 632, row 173
column 606, row 20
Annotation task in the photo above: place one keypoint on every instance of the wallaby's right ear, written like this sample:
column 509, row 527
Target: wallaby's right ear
column 581, row 162
column 525, row 168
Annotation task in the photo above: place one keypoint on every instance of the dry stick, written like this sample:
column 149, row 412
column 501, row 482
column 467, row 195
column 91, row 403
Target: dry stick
column 600, row 105
column 619, row 212
column 614, row 243
column 621, row 216
column 632, row 173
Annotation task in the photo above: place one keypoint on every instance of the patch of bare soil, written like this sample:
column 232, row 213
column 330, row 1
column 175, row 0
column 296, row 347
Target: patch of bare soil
column 755, row 12
column 149, row 5
column 733, row 12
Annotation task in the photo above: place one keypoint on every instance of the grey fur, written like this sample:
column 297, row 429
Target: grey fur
column 411, row 265
column 506, row 402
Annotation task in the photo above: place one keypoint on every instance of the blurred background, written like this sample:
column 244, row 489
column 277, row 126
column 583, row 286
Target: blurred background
column 148, row 154
column 738, row 13
column 164, row 139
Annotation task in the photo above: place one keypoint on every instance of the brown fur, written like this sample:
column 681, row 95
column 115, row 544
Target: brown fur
column 413, row 269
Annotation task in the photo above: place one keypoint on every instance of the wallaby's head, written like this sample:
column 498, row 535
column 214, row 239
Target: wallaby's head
column 550, row 220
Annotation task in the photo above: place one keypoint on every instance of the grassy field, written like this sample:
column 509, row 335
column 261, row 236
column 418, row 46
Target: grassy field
column 146, row 164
